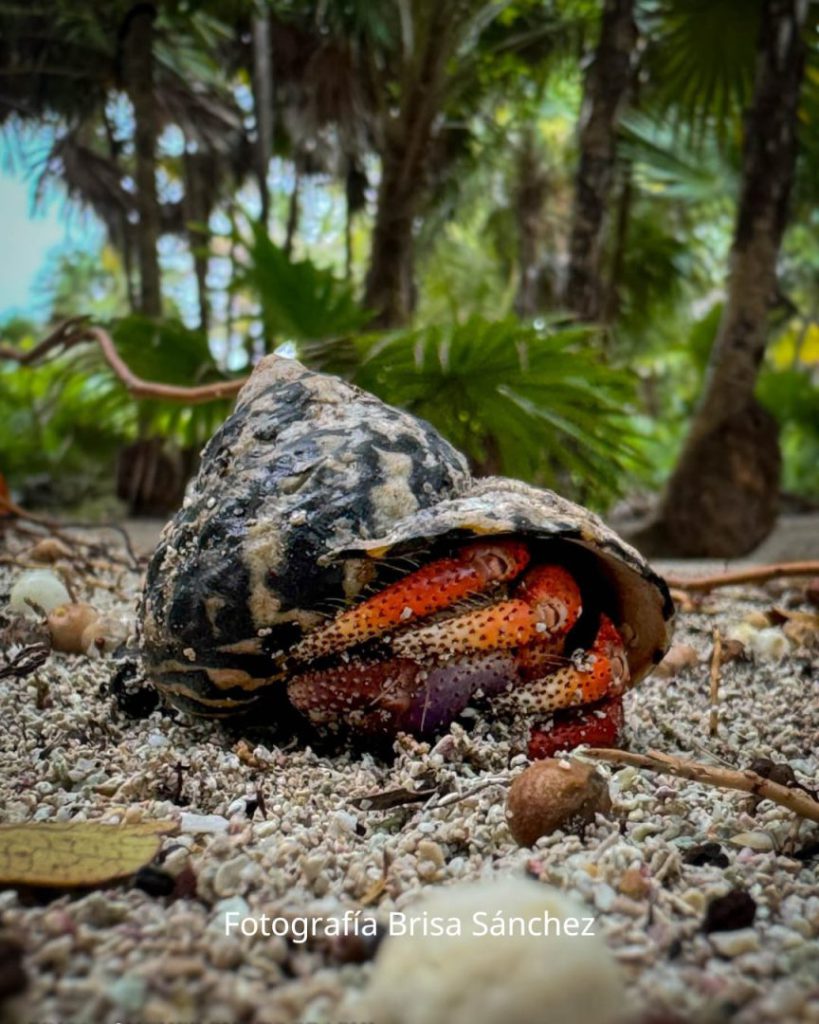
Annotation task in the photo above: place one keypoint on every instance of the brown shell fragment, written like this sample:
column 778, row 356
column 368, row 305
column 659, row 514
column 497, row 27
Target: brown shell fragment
column 553, row 795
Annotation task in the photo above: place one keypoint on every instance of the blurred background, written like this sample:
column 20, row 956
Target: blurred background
column 579, row 236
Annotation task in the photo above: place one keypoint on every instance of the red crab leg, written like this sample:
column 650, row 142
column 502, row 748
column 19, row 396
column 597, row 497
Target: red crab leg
column 599, row 726
column 437, row 585
column 382, row 697
column 546, row 606
column 600, row 673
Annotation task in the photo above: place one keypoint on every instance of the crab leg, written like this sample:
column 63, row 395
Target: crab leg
column 598, row 726
column 546, row 606
column 382, row 697
column 600, row 673
column 437, row 585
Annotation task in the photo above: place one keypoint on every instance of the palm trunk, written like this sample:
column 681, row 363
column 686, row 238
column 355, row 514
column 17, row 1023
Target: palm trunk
column 390, row 290
column 611, row 302
column 722, row 497
column 293, row 214
column 405, row 147
column 197, row 211
column 530, row 198
column 138, row 66
column 606, row 86
column 263, row 106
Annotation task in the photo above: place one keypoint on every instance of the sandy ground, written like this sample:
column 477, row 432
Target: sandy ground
column 277, row 829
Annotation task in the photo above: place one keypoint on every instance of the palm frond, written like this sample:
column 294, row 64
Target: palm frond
column 535, row 402
column 299, row 300
column 663, row 164
column 700, row 61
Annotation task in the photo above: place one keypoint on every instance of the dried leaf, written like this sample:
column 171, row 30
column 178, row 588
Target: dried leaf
column 803, row 630
column 81, row 853
column 392, row 798
column 373, row 894
column 26, row 661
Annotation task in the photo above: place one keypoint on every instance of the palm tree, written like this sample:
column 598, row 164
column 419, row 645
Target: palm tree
column 606, row 86
column 65, row 65
column 721, row 499
column 136, row 47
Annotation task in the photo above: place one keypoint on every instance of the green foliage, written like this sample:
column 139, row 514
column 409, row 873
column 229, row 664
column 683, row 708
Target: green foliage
column 700, row 60
column 792, row 396
column 530, row 401
column 665, row 165
column 71, row 415
column 170, row 353
column 298, row 300
column 56, row 420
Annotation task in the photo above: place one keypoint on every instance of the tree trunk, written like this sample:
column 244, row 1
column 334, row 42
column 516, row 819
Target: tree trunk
column 611, row 292
column 606, row 86
column 138, row 68
column 390, row 289
column 722, row 497
column 405, row 148
column 293, row 214
column 197, row 210
column 263, row 106
column 530, row 199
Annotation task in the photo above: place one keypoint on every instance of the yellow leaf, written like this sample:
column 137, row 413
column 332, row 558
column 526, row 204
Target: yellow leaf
column 77, row 853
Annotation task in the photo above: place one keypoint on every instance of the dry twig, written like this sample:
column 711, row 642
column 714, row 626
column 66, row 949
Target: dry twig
column 723, row 778
column 716, row 657
column 754, row 574
column 77, row 330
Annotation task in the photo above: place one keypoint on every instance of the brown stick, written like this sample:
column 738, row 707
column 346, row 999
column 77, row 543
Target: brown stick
column 756, row 574
column 716, row 655
column 75, row 331
column 724, row 778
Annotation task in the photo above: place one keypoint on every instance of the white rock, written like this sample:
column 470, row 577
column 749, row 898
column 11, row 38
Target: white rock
column 228, row 915
column 42, row 587
column 228, row 879
column 768, row 644
column 734, row 943
column 474, row 978
column 203, row 823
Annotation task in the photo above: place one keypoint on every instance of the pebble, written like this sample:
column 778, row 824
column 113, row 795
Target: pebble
column 228, row 878
column 127, row 993
column 468, row 978
column 760, row 842
column 743, row 940
column 232, row 905
column 40, row 586
column 203, row 823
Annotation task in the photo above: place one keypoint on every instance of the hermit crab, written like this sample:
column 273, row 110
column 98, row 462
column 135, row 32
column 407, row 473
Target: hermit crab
column 335, row 555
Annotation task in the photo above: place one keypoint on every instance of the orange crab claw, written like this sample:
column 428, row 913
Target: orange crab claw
column 546, row 606
column 587, row 677
column 438, row 585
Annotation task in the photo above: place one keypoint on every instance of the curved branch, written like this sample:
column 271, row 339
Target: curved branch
column 754, row 574
column 723, row 778
column 77, row 330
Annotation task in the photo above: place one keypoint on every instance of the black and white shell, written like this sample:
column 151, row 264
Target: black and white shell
column 305, row 496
